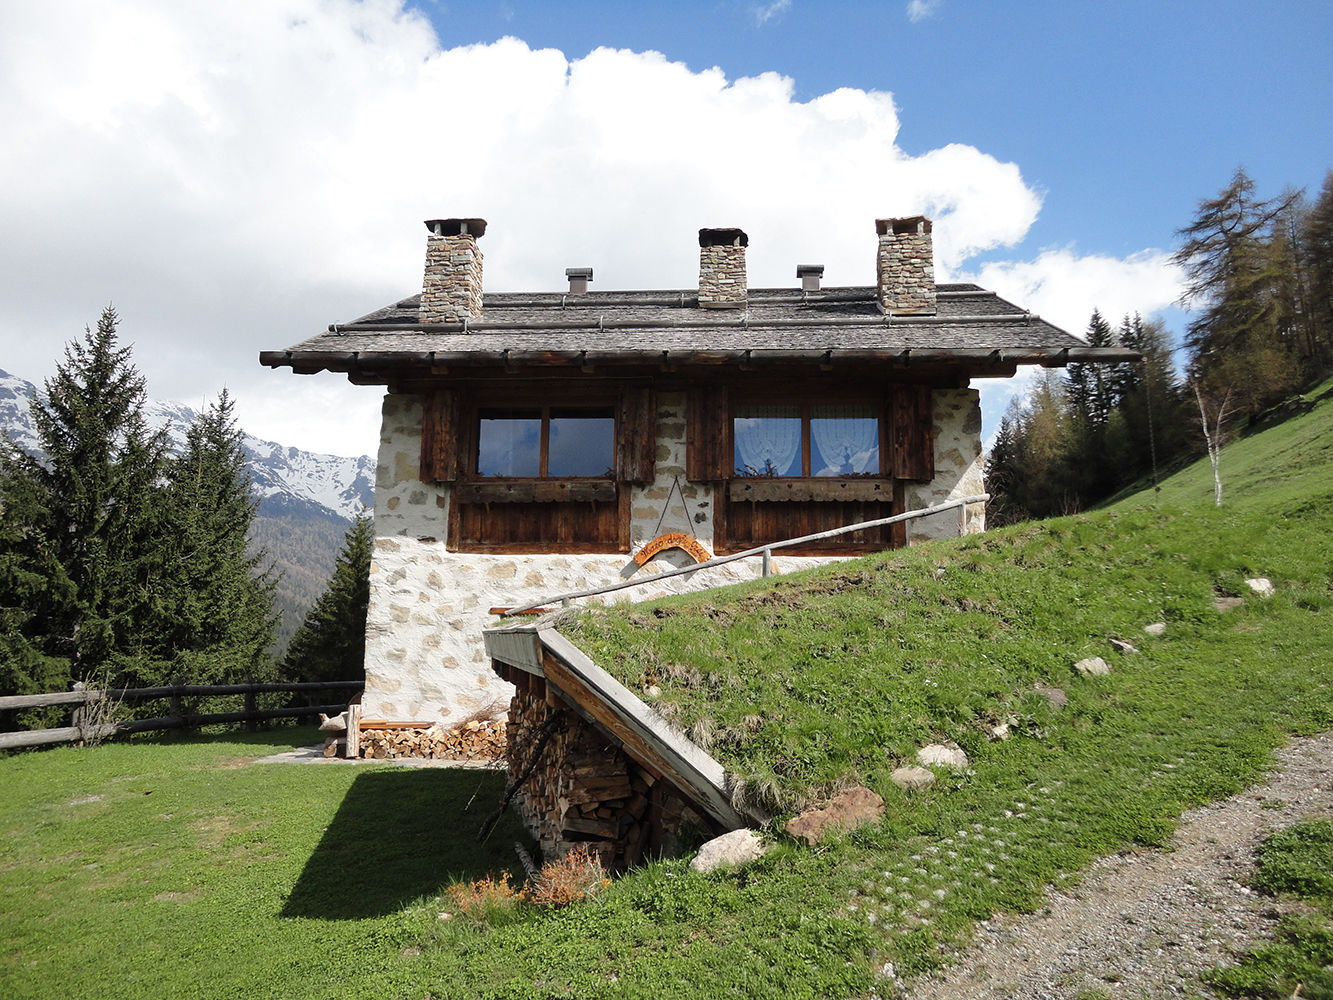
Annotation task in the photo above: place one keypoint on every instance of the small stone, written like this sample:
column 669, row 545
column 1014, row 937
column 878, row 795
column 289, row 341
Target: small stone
column 1262, row 586
column 1056, row 696
column 1156, row 628
column 653, row 691
column 1122, row 646
column 1000, row 731
column 1093, row 666
column 912, row 777
column 1227, row 603
column 738, row 847
column 847, row 811
column 937, row 754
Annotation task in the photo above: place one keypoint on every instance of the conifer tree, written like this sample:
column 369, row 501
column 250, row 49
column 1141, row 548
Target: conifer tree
column 330, row 645
column 219, row 618
column 85, row 521
column 1238, row 342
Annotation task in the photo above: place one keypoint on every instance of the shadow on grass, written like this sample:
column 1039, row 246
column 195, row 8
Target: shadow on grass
column 401, row 834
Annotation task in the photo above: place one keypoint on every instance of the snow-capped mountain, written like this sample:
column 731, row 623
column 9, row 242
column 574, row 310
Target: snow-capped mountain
column 287, row 480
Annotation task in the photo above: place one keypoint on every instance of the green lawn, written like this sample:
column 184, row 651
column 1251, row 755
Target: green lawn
column 192, row 875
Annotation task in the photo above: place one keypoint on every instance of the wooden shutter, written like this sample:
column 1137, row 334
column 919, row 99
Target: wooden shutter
column 913, row 432
column 707, row 435
column 636, row 435
column 440, row 436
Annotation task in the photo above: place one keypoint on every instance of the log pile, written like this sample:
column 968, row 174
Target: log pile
column 584, row 790
column 477, row 740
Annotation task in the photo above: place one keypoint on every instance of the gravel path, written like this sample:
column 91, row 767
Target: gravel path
column 1146, row 923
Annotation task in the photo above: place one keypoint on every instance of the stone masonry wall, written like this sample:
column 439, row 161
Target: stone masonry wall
column 958, row 469
column 722, row 279
column 905, row 272
column 451, row 287
column 424, row 655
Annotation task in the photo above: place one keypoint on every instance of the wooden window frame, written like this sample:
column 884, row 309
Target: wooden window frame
column 450, row 453
column 805, row 404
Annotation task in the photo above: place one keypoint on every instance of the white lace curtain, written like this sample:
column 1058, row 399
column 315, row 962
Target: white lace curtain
column 846, row 438
column 768, row 440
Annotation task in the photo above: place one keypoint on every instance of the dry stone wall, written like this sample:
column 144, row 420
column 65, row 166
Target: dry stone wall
column 428, row 606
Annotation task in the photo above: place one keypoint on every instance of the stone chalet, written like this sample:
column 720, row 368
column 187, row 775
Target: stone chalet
column 541, row 442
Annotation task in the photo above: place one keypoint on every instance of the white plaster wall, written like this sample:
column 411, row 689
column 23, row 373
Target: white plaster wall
column 428, row 606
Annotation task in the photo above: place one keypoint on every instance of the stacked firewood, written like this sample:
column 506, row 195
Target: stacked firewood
column 477, row 740
column 584, row 791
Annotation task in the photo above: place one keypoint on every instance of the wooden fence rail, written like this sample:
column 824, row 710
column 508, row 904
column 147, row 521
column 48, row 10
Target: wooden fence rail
column 84, row 728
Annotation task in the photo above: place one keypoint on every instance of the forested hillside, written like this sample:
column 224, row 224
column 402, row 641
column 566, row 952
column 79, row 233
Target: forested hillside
column 1258, row 277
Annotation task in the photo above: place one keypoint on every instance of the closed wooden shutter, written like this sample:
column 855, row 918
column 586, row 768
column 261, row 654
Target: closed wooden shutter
column 707, row 435
column 913, row 432
column 440, row 436
column 636, row 435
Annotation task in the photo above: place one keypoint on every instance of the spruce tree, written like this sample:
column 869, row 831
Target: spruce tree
column 219, row 619
column 330, row 645
column 86, row 521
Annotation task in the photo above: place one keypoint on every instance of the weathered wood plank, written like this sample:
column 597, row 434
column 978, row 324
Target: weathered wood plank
column 913, row 432
column 773, row 490
column 644, row 735
column 536, row 491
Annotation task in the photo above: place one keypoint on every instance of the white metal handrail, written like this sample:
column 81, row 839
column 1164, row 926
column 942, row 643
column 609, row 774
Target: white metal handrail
column 764, row 550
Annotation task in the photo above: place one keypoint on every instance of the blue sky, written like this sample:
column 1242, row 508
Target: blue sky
column 235, row 177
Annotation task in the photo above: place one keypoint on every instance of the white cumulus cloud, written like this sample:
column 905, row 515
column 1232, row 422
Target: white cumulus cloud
column 234, row 177
column 919, row 10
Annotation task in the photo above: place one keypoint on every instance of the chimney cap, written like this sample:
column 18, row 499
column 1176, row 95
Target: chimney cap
column 903, row 226
column 814, row 270
column 723, row 238
column 579, row 272
column 457, row 227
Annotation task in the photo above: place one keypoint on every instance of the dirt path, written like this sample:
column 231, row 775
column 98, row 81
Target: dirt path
column 1146, row 923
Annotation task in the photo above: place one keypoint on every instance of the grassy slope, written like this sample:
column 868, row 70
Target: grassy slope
column 227, row 874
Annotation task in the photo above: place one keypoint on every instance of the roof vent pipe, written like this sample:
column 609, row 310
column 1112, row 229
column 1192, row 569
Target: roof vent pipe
column 722, row 268
column 905, row 266
column 809, row 275
column 578, row 279
column 451, row 284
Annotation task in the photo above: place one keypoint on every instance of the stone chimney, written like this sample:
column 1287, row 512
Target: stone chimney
column 905, row 266
column 722, row 268
column 451, row 287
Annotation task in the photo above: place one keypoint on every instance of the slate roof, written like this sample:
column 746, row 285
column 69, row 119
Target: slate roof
column 973, row 330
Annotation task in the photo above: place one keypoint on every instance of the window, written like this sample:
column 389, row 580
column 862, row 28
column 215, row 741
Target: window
column 802, row 440
column 528, row 472
column 546, row 442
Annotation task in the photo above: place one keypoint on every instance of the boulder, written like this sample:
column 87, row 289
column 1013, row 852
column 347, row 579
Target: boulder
column 1262, row 586
column 1226, row 603
column 912, row 777
column 1156, row 628
column 1122, row 646
column 848, row 810
column 1093, row 666
column 738, row 847
column 939, row 755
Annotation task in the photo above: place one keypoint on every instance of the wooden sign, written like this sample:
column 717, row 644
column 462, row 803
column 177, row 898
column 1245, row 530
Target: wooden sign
column 673, row 540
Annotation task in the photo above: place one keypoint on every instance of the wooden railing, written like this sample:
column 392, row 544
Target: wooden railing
column 765, row 551
column 90, row 703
